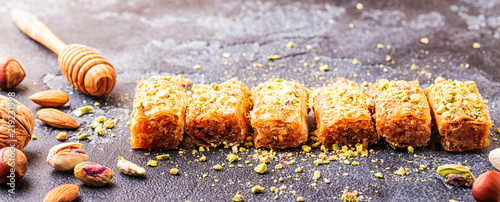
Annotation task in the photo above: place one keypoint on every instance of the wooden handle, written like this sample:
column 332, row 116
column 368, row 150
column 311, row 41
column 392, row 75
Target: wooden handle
column 35, row 29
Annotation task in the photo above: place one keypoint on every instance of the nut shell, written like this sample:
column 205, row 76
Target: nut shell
column 62, row 193
column 130, row 168
column 61, row 156
column 24, row 123
column 92, row 174
column 56, row 118
column 494, row 157
column 50, row 98
column 11, row 73
column 20, row 164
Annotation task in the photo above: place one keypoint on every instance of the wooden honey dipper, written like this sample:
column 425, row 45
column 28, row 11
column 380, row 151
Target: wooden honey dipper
column 86, row 69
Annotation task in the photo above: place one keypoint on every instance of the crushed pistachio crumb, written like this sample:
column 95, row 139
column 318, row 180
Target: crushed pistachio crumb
column 274, row 57
column 217, row 167
column 316, row 175
column 197, row 67
column 306, row 148
column 410, row 149
column 238, row 198
column 83, row 136
column 61, row 136
column 323, row 67
column 152, row 163
column 174, row 171
column 289, row 45
column 78, row 113
column 424, row 40
column 355, row 61
column 257, row 189
column 232, row 157
column 261, row 168
column 400, row 171
column 279, row 167
column 476, row 45
column 379, row 175
column 86, row 109
column 34, row 137
column 163, row 157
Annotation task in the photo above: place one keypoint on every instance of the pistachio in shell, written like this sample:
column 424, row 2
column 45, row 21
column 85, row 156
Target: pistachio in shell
column 66, row 156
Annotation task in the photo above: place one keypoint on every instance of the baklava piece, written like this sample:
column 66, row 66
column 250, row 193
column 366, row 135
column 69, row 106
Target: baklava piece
column 460, row 115
column 279, row 115
column 159, row 111
column 343, row 116
column 219, row 113
column 402, row 114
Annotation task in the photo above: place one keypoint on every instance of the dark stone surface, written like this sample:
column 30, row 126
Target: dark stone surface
column 145, row 38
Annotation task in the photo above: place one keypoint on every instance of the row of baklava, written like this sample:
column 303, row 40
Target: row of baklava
column 277, row 110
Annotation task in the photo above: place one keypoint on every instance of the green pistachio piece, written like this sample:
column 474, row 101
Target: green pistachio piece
column 453, row 173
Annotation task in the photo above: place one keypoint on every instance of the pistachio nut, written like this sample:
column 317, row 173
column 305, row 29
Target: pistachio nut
column 457, row 175
column 129, row 168
column 65, row 156
column 92, row 174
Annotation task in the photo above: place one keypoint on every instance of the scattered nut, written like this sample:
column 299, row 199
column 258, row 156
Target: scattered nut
column 174, row 171
column 457, row 175
column 62, row 193
column 56, row 118
column 11, row 73
column 24, row 123
column 486, row 187
column 129, row 168
column 494, row 157
column 92, row 174
column 19, row 164
column 50, row 98
column 66, row 156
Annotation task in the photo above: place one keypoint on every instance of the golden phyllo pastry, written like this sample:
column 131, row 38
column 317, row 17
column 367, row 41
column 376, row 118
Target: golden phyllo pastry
column 159, row 112
column 343, row 116
column 219, row 113
column 402, row 114
column 460, row 114
column 279, row 115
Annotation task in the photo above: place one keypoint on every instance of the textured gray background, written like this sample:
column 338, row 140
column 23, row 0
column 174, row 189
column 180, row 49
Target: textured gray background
column 145, row 38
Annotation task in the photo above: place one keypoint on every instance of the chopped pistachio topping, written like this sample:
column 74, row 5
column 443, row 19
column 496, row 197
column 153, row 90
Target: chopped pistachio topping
column 300, row 199
column 34, row 137
column 298, row 170
column 355, row 61
column 410, row 149
column 379, row 175
column 152, row 163
column 454, row 99
column 289, row 44
column 261, row 168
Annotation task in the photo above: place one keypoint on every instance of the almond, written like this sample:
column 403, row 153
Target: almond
column 63, row 193
column 56, row 118
column 50, row 98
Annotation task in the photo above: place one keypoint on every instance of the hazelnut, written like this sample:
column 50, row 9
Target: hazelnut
column 65, row 156
column 92, row 174
column 487, row 186
column 13, row 165
column 11, row 73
